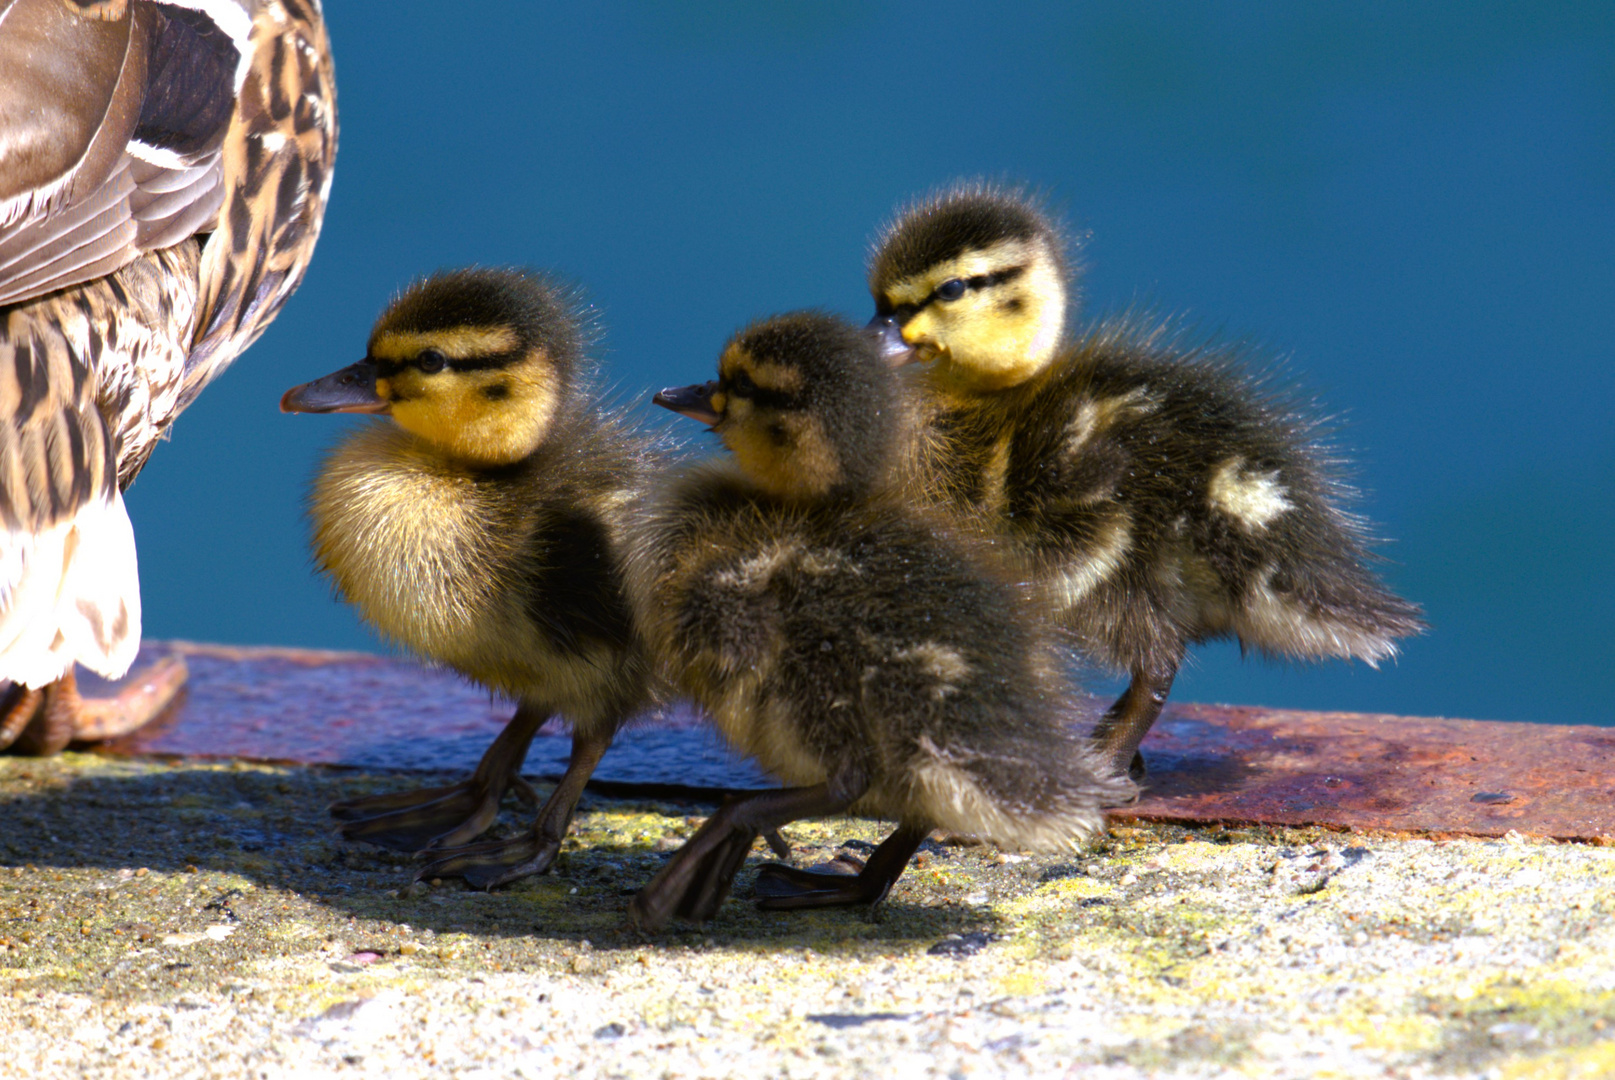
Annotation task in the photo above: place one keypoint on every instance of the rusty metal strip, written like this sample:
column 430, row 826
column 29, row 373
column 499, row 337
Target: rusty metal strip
column 1208, row 764
column 1405, row 774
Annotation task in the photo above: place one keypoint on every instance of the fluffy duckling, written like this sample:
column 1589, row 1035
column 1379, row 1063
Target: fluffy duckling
column 164, row 170
column 481, row 529
column 854, row 647
column 1162, row 496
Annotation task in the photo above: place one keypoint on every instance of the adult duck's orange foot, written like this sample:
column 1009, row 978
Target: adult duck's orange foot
column 44, row 720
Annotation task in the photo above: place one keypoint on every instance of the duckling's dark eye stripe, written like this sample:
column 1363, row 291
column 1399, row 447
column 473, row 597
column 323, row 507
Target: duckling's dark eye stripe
column 904, row 312
column 982, row 281
column 386, row 369
column 763, row 397
column 483, row 363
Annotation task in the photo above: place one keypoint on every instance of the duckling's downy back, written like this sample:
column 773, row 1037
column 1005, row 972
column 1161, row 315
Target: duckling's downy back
column 1161, row 495
column 841, row 637
column 1161, row 478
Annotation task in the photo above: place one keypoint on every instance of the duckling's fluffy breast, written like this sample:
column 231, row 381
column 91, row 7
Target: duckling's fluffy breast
column 456, row 565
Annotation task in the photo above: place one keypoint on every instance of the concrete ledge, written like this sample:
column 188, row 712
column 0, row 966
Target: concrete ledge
column 195, row 918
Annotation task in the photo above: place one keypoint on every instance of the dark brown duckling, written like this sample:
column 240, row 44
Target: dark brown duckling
column 481, row 528
column 1160, row 493
column 864, row 652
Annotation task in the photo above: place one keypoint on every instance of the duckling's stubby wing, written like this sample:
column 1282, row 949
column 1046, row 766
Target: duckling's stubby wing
column 111, row 128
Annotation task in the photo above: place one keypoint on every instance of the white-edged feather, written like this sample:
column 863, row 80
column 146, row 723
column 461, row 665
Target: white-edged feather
column 70, row 594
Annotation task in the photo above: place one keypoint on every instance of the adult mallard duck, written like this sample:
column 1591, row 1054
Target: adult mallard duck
column 1160, row 495
column 164, row 169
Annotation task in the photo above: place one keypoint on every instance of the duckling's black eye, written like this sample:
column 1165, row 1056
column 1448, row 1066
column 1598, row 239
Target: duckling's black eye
column 430, row 361
column 950, row 290
column 740, row 383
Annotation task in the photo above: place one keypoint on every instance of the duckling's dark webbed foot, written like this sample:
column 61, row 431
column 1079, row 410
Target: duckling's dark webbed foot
column 499, row 862
column 44, row 721
column 428, row 818
column 784, row 888
column 493, row 863
column 696, row 880
column 695, row 886
column 442, row 817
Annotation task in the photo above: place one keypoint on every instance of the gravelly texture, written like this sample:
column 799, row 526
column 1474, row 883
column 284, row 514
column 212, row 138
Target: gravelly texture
column 1166, row 951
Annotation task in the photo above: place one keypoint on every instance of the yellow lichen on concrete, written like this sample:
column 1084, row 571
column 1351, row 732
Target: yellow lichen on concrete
column 1595, row 1062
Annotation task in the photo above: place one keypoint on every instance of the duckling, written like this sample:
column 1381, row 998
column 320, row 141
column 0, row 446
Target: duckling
column 481, row 529
column 1160, row 493
column 866, row 654
column 164, row 170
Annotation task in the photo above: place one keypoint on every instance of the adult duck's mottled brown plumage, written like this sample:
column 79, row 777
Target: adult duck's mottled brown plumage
column 1159, row 493
column 481, row 528
column 164, row 170
column 855, row 646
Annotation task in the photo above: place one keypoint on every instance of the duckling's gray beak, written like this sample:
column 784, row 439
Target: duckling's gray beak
column 888, row 335
column 693, row 401
column 353, row 389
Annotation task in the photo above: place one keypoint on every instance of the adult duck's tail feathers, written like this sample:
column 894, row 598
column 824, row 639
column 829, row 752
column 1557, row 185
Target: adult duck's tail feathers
column 69, row 589
column 70, row 593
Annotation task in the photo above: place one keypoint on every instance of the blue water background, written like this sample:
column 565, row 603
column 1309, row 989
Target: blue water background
column 1412, row 204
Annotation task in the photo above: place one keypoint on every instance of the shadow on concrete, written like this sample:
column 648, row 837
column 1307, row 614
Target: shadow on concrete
column 268, row 825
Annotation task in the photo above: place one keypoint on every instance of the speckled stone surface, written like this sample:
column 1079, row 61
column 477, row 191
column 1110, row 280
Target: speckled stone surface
column 198, row 919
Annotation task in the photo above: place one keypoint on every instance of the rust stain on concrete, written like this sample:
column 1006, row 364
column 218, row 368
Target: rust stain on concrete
column 1208, row 763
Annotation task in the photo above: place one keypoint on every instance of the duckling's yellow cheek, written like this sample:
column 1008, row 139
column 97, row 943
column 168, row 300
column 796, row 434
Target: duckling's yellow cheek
column 980, row 332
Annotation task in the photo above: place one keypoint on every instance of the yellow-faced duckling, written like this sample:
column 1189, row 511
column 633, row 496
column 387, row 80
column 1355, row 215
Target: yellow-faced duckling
column 1161, row 494
column 164, row 170
column 856, row 648
column 481, row 528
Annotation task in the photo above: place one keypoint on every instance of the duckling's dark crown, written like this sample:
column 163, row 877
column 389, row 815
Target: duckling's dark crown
column 836, row 360
column 841, row 383
column 946, row 224
column 540, row 313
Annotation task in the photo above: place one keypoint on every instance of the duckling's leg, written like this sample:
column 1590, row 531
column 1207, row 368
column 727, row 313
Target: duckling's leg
column 781, row 888
column 500, row 862
column 695, row 881
column 44, row 721
column 445, row 816
column 1125, row 723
